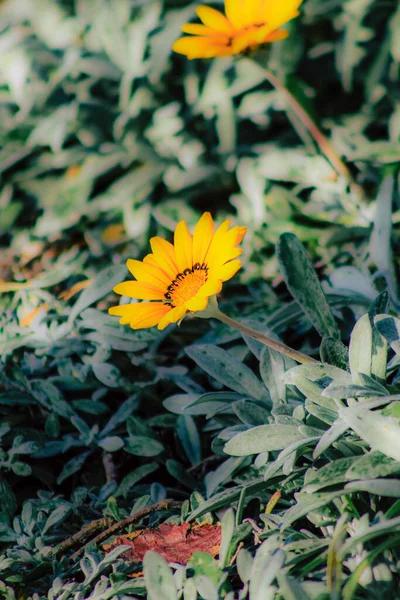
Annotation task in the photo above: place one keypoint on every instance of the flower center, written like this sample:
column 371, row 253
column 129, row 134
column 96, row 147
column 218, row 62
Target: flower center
column 186, row 285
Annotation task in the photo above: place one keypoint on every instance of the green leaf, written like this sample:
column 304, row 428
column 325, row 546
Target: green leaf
column 329, row 437
column 266, row 565
column 192, row 404
column 372, row 465
column 57, row 516
column 272, row 368
column 379, row 487
column 302, row 282
column 389, row 328
column 225, row 498
column 204, row 564
column 331, row 474
column 380, row 243
column 134, row 477
column 381, row 433
column 227, row 529
column 367, row 351
column 107, row 374
column 189, row 437
column 100, row 286
column 159, row 579
column 290, row 588
column 73, row 466
column 250, row 413
column 181, row 474
column 111, row 443
column 140, row 445
column 334, row 352
column 263, row 438
column 226, row 369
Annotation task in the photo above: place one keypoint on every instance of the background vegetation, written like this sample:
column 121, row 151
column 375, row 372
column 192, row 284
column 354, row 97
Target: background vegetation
column 107, row 139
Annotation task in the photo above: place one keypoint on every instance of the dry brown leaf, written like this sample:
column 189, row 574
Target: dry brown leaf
column 176, row 543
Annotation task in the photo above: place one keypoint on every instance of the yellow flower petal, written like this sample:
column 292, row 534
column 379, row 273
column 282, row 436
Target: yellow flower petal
column 139, row 290
column 196, row 304
column 202, row 30
column 148, row 314
column 164, row 255
column 181, row 277
column 234, row 10
column 125, row 311
column 183, row 247
column 171, row 317
column 202, row 237
column 229, row 270
column 275, row 14
column 223, row 246
column 148, row 273
column 249, row 38
column 214, row 19
column 248, row 23
column 210, row 288
column 200, row 47
column 251, row 12
column 276, row 36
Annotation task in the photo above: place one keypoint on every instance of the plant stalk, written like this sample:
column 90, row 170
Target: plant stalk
column 264, row 339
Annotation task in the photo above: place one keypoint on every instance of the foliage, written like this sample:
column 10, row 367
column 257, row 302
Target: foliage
column 107, row 139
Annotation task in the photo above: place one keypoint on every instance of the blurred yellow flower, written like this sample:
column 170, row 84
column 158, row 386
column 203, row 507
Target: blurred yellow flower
column 247, row 24
column 181, row 277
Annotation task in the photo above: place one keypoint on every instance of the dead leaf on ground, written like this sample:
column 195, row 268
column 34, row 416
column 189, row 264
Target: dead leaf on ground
column 176, row 543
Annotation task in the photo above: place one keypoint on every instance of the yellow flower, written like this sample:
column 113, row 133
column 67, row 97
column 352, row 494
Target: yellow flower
column 247, row 24
column 180, row 277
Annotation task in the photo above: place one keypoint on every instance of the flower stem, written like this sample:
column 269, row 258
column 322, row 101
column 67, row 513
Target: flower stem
column 264, row 339
column 324, row 144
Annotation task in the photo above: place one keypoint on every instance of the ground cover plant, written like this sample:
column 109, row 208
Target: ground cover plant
column 234, row 433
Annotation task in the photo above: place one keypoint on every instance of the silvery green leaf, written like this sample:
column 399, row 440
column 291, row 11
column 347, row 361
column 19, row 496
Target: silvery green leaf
column 329, row 437
column 303, row 284
column 221, row 365
column 140, row 445
column 100, row 286
column 389, row 328
column 290, row 588
column 57, row 516
column 111, row 443
column 227, row 529
column 158, row 578
column 263, row 438
column 379, row 432
column 189, row 438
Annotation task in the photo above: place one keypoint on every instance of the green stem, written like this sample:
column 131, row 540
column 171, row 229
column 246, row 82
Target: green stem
column 323, row 143
column 264, row 339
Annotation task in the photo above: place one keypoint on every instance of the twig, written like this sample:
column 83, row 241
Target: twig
column 86, row 532
column 111, row 530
